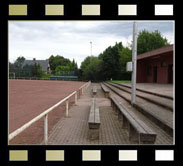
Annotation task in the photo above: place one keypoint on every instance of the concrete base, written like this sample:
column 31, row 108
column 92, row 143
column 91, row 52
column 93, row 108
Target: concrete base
column 93, row 134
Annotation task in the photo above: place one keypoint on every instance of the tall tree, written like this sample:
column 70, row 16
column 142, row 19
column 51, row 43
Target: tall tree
column 19, row 62
column 111, row 61
column 149, row 41
column 90, row 68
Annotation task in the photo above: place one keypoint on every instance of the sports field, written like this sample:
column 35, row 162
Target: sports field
column 29, row 98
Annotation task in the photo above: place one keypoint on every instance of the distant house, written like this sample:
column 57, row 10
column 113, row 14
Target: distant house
column 44, row 64
column 156, row 66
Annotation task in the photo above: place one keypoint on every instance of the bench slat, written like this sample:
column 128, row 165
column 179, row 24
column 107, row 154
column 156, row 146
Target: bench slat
column 104, row 88
column 94, row 116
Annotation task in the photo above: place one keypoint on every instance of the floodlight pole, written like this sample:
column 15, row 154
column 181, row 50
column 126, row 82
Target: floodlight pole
column 91, row 48
column 134, row 63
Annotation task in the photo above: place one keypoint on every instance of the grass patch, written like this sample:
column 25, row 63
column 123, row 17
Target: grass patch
column 120, row 81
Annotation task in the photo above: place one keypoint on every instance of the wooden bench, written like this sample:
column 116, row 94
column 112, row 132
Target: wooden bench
column 105, row 89
column 94, row 121
column 94, row 91
column 138, row 131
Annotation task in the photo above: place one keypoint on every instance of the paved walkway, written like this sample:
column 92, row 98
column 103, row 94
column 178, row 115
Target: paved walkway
column 74, row 129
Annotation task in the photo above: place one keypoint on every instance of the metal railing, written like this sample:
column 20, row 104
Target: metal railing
column 45, row 115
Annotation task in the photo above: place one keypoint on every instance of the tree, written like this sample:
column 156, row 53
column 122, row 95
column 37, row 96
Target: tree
column 57, row 61
column 62, row 70
column 90, row 68
column 19, row 62
column 37, row 70
column 111, row 62
column 125, row 56
column 149, row 41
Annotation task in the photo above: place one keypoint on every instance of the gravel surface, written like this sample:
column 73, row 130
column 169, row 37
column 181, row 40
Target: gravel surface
column 29, row 98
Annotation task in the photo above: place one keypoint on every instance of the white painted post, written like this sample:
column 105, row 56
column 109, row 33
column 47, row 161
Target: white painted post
column 46, row 129
column 76, row 97
column 84, row 88
column 134, row 63
column 79, row 93
column 67, row 108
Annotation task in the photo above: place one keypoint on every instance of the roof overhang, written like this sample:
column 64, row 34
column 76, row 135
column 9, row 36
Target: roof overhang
column 160, row 51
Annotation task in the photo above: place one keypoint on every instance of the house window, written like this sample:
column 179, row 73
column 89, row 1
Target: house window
column 149, row 71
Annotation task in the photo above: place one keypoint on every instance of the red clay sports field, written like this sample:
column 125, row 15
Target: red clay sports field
column 29, row 98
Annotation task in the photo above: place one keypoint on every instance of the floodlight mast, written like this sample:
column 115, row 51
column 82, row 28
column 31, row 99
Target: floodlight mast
column 91, row 48
column 134, row 64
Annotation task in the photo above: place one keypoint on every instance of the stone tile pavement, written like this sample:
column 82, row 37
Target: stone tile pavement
column 73, row 130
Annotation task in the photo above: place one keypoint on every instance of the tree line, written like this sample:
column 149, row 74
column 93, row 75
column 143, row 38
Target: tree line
column 110, row 64
column 59, row 66
column 21, row 70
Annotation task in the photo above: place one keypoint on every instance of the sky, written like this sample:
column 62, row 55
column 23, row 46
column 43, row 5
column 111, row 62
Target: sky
column 71, row 39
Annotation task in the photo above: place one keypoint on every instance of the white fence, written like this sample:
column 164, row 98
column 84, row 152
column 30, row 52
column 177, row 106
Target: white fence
column 45, row 114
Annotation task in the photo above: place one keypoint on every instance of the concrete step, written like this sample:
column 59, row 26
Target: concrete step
column 148, row 91
column 155, row 113
column 161, row 101
column 162, row 136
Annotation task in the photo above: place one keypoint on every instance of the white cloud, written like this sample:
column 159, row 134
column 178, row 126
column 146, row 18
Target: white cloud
column 169, row 36
column 71, row 39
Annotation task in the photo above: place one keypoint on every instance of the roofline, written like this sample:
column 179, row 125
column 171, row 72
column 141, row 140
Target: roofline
column 156, row 52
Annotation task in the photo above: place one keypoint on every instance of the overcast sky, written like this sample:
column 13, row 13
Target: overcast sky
column 71, row 39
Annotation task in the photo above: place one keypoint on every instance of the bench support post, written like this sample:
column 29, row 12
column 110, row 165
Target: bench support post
column 133, row 135
column 147, row 139
column 94, row 134
column 107, row 94
column 120, row 116
column 125, row 123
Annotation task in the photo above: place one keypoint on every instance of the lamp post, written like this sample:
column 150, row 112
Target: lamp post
column 134, row 63
column 91, row 48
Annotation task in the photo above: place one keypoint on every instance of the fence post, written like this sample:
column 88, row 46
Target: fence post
column 46, row 129
column 67, row 108
column 79, row 93
column 76, row 97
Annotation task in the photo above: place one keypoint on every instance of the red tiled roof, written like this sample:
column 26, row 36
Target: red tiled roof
column 159, row 51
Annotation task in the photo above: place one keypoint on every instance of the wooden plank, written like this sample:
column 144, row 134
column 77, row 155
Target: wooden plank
column 129, row 117
column 94, row 117
column 134, row 120
column 94, row 89
column 104, row 88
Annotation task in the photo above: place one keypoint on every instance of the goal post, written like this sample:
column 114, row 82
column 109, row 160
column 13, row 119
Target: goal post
column 12, row 75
